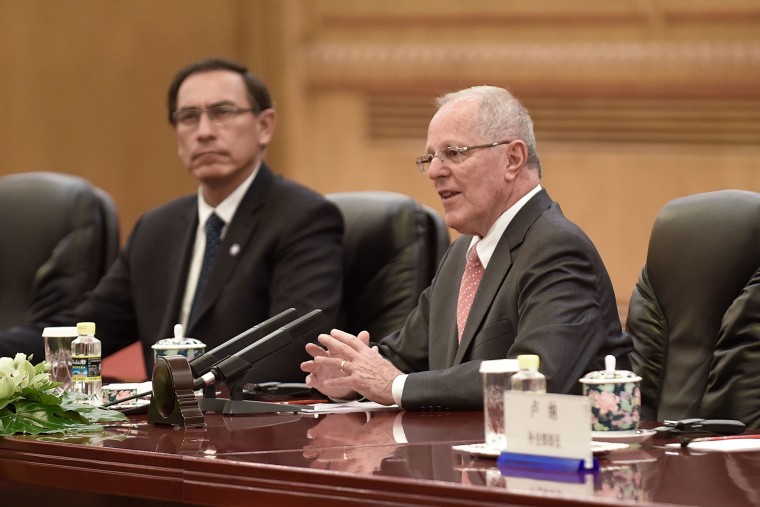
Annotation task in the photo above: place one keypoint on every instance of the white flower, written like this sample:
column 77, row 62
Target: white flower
column 18, row 373
column 6, row 366
column 7, row 386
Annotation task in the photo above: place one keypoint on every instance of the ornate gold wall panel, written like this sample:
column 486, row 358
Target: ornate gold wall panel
column 635, row 101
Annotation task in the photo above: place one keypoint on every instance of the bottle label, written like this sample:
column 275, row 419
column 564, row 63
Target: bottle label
column 85, row 368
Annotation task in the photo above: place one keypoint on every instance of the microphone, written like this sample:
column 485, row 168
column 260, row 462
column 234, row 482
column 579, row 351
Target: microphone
column 240, row 362
column 203, row 363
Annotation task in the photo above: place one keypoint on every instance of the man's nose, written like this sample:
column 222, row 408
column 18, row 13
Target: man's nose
column 437, row 167
column 206, row 127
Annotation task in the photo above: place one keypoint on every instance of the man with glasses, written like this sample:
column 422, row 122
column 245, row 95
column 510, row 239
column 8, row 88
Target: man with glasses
column 521, row 280
column 247, row 246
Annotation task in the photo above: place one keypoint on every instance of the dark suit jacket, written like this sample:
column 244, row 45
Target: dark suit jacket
column 289, row 255
column 545, row 291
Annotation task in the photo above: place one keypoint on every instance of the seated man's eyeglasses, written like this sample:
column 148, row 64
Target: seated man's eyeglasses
column 455, row 154
column 191, row 116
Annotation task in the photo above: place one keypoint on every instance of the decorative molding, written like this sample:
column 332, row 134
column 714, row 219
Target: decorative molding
column 399, row 119
column 574, row 68
column 497, row 15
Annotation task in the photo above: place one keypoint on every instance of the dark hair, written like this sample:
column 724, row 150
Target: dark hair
column 257, row 90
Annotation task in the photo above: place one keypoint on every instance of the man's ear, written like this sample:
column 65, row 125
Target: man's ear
column 517, row 157
column 267, row 119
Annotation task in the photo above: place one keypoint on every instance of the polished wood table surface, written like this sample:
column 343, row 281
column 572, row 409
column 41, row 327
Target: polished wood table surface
column 379, row 458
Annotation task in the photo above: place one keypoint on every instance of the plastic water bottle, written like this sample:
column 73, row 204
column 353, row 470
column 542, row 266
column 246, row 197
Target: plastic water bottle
column 85, row 359
column 528, row 378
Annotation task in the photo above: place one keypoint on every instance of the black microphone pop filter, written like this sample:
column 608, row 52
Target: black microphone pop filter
column 240, row 362
column 202, row 364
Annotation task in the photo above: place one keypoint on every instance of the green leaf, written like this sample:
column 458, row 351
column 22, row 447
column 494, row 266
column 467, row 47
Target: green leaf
column 32, row 417
column 35, row 418
column 40, row 396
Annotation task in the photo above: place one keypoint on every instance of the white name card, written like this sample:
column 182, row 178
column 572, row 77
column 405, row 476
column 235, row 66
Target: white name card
column 553, row 425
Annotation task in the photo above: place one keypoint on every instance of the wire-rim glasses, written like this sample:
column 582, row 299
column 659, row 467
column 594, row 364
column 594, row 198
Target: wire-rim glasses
column 455, row 154
column 219, row 114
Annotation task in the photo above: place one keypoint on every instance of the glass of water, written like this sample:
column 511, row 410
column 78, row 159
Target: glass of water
column 58, row 354
column 496, row 380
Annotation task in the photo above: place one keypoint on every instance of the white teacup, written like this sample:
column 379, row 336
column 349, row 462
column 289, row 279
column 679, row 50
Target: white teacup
column 614, row 396
column 190, row 348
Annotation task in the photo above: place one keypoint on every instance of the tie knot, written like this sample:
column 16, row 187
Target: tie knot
column 472, row 255
column 214, row 225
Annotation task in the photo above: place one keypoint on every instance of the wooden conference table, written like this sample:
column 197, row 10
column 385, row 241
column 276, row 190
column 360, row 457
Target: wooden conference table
column 345, row 459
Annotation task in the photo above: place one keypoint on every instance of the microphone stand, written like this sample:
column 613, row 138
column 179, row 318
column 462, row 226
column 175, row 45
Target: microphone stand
column 232, row 369
column 203, row 364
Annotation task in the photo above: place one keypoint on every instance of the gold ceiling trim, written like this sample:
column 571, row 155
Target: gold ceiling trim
column 715, row 122
column 707, row 67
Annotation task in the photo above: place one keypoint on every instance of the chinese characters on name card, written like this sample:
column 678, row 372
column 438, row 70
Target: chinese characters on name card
column 553, row 425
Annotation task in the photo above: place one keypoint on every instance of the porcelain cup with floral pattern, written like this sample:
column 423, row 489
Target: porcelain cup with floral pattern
column 615, row 398
column 179, row 345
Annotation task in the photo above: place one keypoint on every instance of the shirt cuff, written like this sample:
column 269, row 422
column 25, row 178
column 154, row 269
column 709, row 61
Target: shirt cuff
column 397, row 388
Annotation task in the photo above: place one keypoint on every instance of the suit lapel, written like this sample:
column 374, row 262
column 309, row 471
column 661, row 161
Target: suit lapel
column 450, row 280
column 237, row 238
column 182, row 238
column 499, row 266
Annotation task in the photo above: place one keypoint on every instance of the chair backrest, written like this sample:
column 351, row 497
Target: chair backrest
column 702, row 252
column 59, row 235
column 391, row 246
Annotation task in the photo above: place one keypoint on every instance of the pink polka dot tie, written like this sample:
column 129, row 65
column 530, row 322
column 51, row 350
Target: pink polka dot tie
column 473, row 272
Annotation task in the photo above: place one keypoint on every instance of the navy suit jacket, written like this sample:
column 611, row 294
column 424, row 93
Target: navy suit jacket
column 288, row 254
column 545, row 291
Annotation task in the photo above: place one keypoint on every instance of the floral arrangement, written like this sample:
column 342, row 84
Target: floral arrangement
column 29, row 404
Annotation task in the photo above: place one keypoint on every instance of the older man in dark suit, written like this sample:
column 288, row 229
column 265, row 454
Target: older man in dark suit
column 248, row 245
column 522, row 280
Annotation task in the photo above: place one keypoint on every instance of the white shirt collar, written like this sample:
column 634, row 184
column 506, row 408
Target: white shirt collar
column 487, row 245
column 227, row 208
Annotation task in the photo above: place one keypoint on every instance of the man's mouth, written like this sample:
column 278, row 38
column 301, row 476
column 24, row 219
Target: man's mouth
column 447, row 194
column 207, row 157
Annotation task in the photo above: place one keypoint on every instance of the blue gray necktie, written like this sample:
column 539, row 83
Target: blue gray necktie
column 214, row 226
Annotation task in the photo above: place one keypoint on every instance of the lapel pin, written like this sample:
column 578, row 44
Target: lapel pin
column 234, row 250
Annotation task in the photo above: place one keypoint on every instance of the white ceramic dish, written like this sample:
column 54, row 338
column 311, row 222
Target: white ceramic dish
column 118, row 391
column 628, row 437
column 139, row 408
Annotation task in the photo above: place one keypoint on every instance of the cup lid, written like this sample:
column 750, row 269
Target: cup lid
column 499, row 366
column 178, row 343
column 609, row 374
column 60, row 332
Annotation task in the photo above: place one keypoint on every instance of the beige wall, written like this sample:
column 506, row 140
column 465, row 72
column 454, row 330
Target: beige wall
column 635, row 102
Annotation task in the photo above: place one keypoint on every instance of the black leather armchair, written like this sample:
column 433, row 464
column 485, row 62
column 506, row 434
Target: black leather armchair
column 391, row 247
column 60, row 234
column 702, row 252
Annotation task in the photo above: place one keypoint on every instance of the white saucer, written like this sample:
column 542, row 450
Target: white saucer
column 630, row 437
column 139, row 407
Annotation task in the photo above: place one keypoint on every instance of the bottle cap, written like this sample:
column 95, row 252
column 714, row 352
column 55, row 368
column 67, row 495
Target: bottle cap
column 85, row 328
column 528, row 361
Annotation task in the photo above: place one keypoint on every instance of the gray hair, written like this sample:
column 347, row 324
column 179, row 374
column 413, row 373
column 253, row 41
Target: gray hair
column 500, row 116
